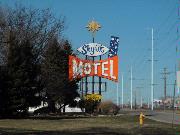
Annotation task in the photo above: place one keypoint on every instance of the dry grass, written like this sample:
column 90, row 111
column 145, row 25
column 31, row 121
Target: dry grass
column 125, row 125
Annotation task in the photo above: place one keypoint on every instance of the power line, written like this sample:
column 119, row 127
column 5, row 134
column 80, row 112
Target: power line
column 166, row 20
column 167, row 48
column 167, row 35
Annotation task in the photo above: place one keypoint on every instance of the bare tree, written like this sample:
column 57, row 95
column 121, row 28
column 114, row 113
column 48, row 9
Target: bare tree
column 37, row 26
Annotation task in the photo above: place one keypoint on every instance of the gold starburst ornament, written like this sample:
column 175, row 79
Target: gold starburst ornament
column 93, row 26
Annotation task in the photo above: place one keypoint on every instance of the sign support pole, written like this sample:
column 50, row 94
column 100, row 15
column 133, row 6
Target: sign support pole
column 93, row 76
column 82, row 87
column 93, row 27
column 99, row 80
column 86, row 82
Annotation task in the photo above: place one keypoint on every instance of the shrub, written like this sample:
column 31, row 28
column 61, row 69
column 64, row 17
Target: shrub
column 108, row 107
column 43, row 110
column 93, row 97
column 90, row 102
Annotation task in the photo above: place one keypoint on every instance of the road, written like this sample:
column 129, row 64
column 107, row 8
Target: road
column 161, row 116
column 166, row 117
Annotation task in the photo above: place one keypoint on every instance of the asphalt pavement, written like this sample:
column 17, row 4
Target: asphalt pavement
column 166, row 117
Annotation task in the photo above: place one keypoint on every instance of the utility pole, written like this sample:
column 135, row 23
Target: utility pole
column 122, row 102
column 131, row 87
column 135, row 104
column 141, row 101
column 152, row 71
column 165, row 73
column 140, row 91
column 174, row 94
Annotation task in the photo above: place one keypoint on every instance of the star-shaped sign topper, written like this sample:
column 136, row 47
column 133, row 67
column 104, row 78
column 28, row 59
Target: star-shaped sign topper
column 93, row 26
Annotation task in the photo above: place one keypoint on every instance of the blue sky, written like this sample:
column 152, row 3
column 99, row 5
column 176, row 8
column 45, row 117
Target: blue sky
column 131, row 21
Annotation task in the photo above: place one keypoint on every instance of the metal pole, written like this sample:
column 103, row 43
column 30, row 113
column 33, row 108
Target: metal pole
column 93, row 27
column 174, row 93
column 93, row 81
column 131, row 87
column 135, row 100
column 82, row 87
column 152, row 77
column 165, row 84
column 86, row 82
column 122, row 92
column 173, row 103
column 99, row 80
column 141, row 101
column 117, row 95
column 148, row 103
column 93, row 76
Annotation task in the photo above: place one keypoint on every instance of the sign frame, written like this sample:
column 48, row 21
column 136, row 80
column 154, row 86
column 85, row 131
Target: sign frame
column 93, row 49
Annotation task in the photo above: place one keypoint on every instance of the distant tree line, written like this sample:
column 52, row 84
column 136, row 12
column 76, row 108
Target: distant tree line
column 33, row 61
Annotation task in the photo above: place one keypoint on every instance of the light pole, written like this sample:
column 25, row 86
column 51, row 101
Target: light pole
column 122, row 98
column 131, row 88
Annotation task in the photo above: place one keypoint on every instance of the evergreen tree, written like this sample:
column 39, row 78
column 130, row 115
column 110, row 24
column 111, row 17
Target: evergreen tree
column 3, row 91
column 70, row 87
column 55, row 69
column 23, row 73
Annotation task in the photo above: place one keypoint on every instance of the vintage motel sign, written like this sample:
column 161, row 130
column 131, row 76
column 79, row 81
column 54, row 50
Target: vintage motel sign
column 93, row 49
column 107, row 68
